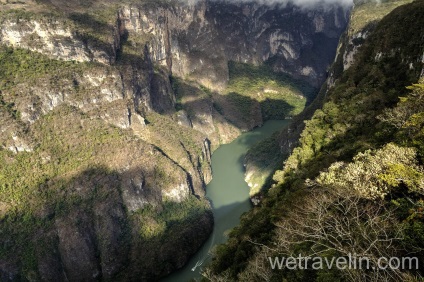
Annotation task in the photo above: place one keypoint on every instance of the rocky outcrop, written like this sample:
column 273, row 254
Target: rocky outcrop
column 117, row 162
column 198, row 40
column 51, row 37
column 191, row 41
column 359, row 28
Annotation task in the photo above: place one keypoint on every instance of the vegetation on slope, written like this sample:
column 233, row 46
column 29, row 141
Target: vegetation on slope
column 367, row 12
column 254, row 94
column 279, row 95
column 364, row 17
column 362, row 153
column 69, row 180
column 265, row 157
column 19, row 65
column 73, row 169
column 75, row 165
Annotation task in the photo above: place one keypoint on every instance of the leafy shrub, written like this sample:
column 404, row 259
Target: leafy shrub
column 375, row 174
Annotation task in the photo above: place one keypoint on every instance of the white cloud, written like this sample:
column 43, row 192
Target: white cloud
column 301, row 3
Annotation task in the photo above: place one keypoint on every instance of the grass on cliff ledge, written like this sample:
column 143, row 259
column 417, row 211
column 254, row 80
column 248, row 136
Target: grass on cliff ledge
column 371, row 12
column 19, row 65
column 279, row 95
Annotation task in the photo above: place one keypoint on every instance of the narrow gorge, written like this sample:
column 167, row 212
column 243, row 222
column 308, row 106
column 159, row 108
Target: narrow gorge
column 110, row 112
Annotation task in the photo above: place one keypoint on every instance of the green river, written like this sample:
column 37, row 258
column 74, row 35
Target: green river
column 228, row 193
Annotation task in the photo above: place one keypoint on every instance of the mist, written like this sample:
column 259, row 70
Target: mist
column 300, row 3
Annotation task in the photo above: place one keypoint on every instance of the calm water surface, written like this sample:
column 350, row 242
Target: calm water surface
column 228, row 193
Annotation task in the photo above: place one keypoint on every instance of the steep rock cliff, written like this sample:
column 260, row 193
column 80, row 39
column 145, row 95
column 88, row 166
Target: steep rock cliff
column 363, row 19
column 109, row 118
column 198, row 40
column 74, row 163
column 364, row 117
column 191, row 41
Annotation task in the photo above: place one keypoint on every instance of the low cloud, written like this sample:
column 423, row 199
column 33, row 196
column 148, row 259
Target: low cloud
column 300, row 3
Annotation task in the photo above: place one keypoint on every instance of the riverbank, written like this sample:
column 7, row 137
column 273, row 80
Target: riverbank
column 229, row 194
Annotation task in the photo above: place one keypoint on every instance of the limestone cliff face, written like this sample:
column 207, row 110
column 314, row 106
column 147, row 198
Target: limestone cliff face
column 50, row 37
column 107, row 154
column 198, row 40
column 363, row 19
column 191, row 41
column 110, row 148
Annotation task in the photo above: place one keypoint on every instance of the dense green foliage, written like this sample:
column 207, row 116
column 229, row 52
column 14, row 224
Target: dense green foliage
column 366, row 146
column 20, row 65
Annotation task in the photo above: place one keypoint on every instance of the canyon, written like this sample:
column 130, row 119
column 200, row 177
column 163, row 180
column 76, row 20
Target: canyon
column 110, row 113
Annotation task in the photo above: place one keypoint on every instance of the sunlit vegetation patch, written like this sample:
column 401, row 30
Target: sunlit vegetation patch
column 58, row 150
column 376, row 174
column 23, row 14
column 279, row 95
column 19, row 65
column 356, row 180
column 369, row 12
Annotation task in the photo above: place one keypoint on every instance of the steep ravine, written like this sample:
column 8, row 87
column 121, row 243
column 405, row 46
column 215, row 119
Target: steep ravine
column 229, row 195
column 263, row 159
column 335, row 181
column 109, row 115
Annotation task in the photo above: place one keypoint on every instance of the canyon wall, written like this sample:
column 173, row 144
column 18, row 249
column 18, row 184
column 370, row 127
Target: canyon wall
column 109, row 117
